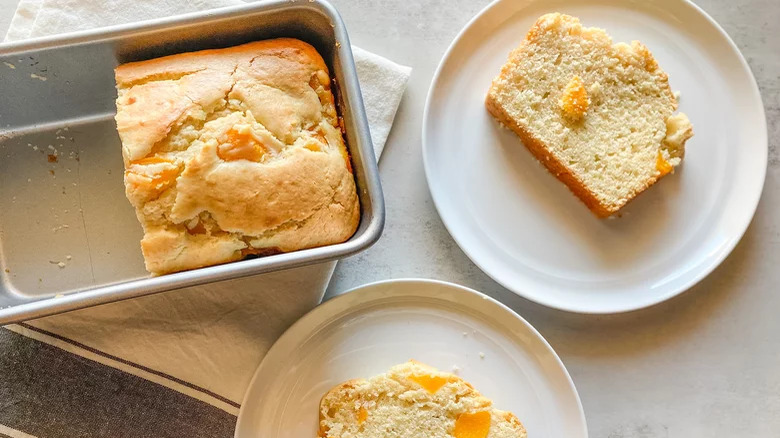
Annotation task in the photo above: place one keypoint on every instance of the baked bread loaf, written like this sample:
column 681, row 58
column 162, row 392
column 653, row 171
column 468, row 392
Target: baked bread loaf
column 233, row 152
column 413, row 400
column 599, row 116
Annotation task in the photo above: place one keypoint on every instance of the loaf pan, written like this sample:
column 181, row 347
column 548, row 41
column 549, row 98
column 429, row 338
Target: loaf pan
column 68, row 236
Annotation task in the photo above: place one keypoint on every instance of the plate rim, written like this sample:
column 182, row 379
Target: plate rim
column 705, row 269
column 367, row 293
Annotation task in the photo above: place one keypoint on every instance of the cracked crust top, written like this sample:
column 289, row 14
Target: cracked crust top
column 231, row 152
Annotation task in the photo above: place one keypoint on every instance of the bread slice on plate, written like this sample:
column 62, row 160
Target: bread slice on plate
column 413, row 400
column 600, row 116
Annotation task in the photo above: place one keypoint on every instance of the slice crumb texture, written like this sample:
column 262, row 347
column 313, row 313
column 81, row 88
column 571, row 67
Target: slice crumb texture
column 600, row 116
column 413, row 400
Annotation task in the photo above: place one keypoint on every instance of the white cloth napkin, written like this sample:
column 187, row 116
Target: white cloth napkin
column 211, row 336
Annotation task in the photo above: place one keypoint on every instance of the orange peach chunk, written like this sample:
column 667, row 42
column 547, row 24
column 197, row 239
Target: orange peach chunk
column 241, row 144
column 430, row 383
column 574, row 100
column 472, row 425
column 159, row 178
column 662, row 165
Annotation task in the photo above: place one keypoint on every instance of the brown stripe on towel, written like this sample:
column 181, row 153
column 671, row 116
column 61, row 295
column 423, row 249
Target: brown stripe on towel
column 132, row 364
column 51, row 393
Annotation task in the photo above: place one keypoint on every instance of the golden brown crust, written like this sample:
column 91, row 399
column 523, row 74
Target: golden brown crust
column 553, row 165
column 191, row 62
column 557, row 168
column 234, row 151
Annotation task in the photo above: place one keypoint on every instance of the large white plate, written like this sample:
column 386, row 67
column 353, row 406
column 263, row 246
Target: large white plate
column 524, row 228
column 368, row 330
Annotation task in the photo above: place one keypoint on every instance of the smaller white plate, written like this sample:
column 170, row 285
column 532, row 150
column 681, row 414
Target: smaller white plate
column 366, row 331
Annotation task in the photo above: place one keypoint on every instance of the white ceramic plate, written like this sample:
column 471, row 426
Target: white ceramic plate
column 366, row 331
column 527, row 231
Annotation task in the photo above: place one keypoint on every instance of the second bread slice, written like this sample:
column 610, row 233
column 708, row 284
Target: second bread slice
column 413, row 400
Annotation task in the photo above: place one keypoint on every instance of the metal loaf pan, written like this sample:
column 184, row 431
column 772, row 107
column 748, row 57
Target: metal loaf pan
column 68, row 236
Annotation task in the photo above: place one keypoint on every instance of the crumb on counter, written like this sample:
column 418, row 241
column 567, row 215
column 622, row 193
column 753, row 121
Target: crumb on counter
column 40, row 78
column 481, row 355
column 9, row 65
column 465, row 334
column 455, row 370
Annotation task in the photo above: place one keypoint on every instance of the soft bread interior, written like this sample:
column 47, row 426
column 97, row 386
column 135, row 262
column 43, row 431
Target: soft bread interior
column 413, row 400
column 600, row 113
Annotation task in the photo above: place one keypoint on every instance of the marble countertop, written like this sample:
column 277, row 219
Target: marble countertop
column 706, row 363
